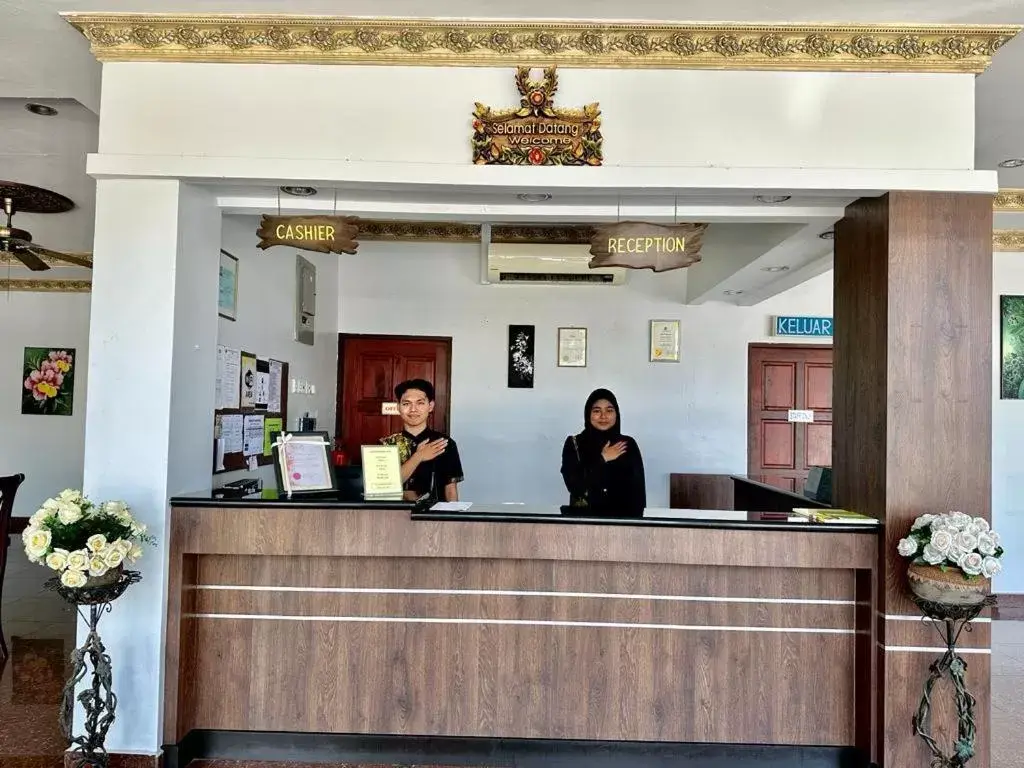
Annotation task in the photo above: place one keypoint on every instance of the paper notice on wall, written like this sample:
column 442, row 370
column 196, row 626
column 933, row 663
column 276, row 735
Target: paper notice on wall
column 229, row 370
column 270, row 426
column 248, row 398
column 253, row 435
column 262, row 384
column 276, row 385
column 231, row 432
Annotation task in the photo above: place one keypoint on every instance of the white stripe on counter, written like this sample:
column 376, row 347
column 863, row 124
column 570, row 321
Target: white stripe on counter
column 937, row 650
column 519, row 593
column 922, row 617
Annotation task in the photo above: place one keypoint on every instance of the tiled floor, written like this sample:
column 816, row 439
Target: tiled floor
column 40, row 630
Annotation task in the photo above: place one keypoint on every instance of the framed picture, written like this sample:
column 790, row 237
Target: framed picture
column 48, row 381
column 302, row 462
column 1011, row 347
column 572, row 347
column 664, row 341
column 227, row 293
column 521, row 342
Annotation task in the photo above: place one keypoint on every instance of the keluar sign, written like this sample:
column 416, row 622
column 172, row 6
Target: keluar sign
column 640, row 245
column 538, row 132
column 323, row 234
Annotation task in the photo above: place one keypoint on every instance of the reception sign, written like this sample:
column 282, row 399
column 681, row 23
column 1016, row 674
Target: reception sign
column 801, row 325
column 640, row 245
column 537, row 132
column 323, row 234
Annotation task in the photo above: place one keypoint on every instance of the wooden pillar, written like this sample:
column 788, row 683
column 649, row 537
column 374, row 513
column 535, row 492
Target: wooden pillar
column 912, row 415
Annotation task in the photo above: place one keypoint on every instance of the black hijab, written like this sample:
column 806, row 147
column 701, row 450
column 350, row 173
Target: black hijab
column 592, row 440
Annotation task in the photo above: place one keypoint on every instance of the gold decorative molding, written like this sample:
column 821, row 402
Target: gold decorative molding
column 418, row 231
column 1009, row 200
column 47, row 286
column 1008, row 240
column 280, row 38
column 566, row 234
column 6, row 260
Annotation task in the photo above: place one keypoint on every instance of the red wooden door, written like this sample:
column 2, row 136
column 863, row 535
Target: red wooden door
column 369, row 368
column 784, row 378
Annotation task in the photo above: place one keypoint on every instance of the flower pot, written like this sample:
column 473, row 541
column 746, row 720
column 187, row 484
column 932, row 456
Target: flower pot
column 108, row 578
column 946, row 587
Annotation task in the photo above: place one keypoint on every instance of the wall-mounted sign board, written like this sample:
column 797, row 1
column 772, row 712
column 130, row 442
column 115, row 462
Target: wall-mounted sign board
column 641, row 245
column 802, row 325
column 323, row 234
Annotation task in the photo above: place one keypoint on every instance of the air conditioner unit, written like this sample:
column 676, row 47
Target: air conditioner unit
column 526, row 264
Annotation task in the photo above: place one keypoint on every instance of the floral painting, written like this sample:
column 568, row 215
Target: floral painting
column 1011, row 370
column 521, row 340
column 48, row 386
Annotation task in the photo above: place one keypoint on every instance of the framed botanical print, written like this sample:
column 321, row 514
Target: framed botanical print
column 227, row 293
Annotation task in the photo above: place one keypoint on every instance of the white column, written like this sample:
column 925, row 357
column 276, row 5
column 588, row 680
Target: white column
column 149, row 417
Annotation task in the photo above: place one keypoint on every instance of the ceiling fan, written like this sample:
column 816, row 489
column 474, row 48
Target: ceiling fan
column 18, row 243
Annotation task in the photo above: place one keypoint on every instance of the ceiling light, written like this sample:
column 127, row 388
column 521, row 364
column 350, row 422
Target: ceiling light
column 772, row 198
column 40, row 109
column 299, row 191
column 534, row 197
column 830, row 235
column 774, row 269
column 1013, row 162
column 732, row 293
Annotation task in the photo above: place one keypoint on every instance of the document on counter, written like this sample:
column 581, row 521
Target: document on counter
column 253, row 435
column 231, row 432
column 382, row 472
column 305, row 466
column 452, row 506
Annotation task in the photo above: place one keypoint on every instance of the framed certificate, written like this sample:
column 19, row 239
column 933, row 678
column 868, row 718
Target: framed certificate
column 664, row 341
column 572, row 347
column 227, row 290
column 382, row 472
column 302, row 462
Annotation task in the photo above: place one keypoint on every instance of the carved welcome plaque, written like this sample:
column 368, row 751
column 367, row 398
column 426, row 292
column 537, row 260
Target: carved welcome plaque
column 640, row 245
column 323, row 234
column 538, row 132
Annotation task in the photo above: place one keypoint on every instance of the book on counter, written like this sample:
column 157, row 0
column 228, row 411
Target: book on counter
column 833, row 516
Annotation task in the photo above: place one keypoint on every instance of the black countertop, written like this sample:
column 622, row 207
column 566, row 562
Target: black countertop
column 522, row 513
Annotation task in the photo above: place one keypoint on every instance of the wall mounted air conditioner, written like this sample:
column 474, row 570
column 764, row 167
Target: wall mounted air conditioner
column 532, row 264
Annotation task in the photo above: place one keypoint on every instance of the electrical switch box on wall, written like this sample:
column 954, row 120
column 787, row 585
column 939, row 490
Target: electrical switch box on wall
column 305, row 300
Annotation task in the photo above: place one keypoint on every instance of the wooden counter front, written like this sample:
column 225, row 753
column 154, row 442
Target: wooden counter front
column 328, row 620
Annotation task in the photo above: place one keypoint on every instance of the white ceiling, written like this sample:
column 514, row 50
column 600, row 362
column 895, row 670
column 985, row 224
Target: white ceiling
column 44, row 59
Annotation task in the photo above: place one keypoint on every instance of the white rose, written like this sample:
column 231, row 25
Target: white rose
column 971, row 563
column 931, row 555
column 38, row 543
column 959, row 520
column 922, row 522
column 907, row 547
column 135, row 553
column 990, row 566
column 995, row 538
column 138, row 528
column 97, row 565
column 966, row 541
column 942, row 541
column 51, row 505
column 57, row 560
column 986, row 544
column 96, row 543
column 973, row 528
column 123, row 545
column 73, row 579
column 78, row 560
column 70, row 495
column 982, row 524
column 39, row 517
column 69, row 513
column 113, row 557
column 955, row 554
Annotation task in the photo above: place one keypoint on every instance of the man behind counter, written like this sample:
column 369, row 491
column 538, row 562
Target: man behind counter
column 430, row 459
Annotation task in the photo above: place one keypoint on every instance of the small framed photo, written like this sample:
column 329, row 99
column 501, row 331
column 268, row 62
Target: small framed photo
column 572, row 347
column 227, row 294
column 664, row 341
column 302, row 462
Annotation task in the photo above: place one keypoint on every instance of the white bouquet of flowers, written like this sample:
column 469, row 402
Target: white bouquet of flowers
column 84, row 542
column 954, row 540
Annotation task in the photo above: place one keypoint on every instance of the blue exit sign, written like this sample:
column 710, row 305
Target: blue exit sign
column 801, row 325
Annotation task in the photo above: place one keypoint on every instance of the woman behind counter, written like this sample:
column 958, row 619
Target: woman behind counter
column 602, row 468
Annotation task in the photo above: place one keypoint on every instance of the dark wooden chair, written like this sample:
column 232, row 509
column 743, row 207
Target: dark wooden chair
column 8, row 488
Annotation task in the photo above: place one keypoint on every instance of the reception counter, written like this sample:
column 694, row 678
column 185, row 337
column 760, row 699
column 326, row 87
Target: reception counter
column 512, row 625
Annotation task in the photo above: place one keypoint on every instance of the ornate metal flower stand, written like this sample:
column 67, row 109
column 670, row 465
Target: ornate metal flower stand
column 98, row 700
column 949, row 621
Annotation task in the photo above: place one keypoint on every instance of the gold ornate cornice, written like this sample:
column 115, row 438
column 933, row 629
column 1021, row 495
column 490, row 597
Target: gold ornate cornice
column 1008, row 240
column 47, row 286
column 6, row 260
column 595, row 44
column 418, row 231
column 1009, row 200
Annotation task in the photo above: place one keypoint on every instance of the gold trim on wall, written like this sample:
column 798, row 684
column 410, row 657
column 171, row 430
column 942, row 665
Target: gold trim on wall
column 1008, row 240
column 1009, row 200
column 418, row 231
column 6, row 260
column 280, row 38
column 47, row 286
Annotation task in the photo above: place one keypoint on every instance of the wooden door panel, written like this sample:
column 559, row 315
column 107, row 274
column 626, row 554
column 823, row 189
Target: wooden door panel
column 779, row 386
column 783, row 377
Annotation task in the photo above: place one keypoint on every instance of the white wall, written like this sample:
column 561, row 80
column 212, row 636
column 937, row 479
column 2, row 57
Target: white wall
column 687, row 417
column 47, row 449
column 650, row 117
column 1007, row 439
column 265, row 324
